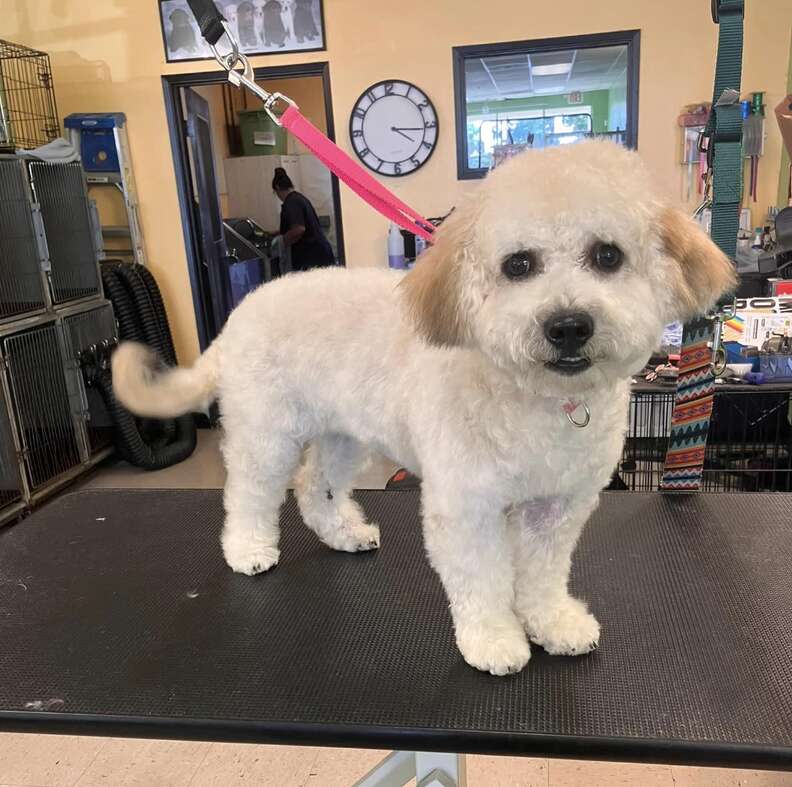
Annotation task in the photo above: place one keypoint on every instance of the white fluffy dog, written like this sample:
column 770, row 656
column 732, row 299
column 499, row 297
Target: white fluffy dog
column 540, row 298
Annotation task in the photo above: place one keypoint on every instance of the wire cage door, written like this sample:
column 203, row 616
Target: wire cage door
column 749, row 447
column 28, row 114
column 11, row 487
column 22, row 287
column 40, row 401
column 61, row 193
column 89, row 336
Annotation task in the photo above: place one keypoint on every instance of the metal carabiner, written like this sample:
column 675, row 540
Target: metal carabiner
column 245, row 77
column 229, row 60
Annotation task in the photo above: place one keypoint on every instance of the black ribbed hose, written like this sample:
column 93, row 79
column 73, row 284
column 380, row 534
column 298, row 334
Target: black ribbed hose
column 144, row 442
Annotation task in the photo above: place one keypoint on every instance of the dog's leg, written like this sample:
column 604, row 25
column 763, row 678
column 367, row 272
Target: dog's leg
column 544, row 535
column 468, row 547
column 258, row 473
column 323, row 492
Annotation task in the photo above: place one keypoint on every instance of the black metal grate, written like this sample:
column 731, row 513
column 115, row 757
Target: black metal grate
column 21, row 286
column 28, row 113
column 41, row 403
column 88, row 337
column 61, row 192
column 749, row 447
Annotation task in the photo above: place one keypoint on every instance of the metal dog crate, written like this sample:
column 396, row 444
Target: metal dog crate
column 46, row 430
column 28, row 114
column 23, row 255
column 749, row 447
column 53, row 422
column 70, row 228
column 89, row 334
column 12, row 490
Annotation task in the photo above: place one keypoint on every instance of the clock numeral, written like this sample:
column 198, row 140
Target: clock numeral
column 357, row 132
column 427, row 145
column 416, row 161
column 388, row 88
column 379, row 166
column 359, row 113
column 423, row 105
column 363, row 153
column 397, row 168
column 370, row 95
column 430, row 124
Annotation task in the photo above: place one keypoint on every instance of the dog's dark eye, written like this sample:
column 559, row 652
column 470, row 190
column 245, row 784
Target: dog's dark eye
column 519, row 265
column 606, row 256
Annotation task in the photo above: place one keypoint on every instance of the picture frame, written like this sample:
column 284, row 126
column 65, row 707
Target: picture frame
column 261, row 27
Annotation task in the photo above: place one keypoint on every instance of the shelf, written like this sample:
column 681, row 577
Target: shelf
column 115, row 231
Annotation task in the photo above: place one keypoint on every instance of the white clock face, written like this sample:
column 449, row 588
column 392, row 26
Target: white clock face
column 393, row 128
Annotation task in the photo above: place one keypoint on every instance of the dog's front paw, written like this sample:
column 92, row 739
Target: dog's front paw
column 497, row 647
column 565, row 629
column 249, row 555
column 358, row 537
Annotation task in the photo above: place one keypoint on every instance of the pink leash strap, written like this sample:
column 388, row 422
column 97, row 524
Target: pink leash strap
column 363, row 184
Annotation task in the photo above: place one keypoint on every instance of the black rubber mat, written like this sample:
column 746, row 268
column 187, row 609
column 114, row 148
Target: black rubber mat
column 119, row 616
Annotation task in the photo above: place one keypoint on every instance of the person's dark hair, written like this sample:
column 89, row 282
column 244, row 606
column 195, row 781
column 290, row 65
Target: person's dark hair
column 281, row 181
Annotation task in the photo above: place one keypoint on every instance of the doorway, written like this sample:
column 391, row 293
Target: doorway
column 224, row 151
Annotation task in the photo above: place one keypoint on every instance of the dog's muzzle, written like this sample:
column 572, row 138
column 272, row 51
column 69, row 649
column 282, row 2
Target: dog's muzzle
column 568, row 332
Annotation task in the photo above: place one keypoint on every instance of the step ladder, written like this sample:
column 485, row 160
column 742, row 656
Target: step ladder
column 101, row 138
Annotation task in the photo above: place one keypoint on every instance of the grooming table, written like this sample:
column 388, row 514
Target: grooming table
column 119, row 617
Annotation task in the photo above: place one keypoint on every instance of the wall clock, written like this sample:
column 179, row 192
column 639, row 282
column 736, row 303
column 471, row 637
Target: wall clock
column 393, row 128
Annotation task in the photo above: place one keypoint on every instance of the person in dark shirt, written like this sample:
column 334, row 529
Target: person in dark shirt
column 299, row 226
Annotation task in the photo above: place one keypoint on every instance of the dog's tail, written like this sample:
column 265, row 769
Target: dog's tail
column 143, row 385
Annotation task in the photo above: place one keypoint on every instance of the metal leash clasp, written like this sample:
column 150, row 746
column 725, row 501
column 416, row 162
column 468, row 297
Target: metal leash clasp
column 244, row 77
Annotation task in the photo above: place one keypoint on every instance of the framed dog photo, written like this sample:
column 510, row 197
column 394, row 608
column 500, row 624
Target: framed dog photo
column 261, row 27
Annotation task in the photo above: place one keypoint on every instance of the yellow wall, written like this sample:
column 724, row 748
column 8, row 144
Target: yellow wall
column 109, row 56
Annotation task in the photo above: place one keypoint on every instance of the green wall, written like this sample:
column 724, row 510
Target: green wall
column 598, row 100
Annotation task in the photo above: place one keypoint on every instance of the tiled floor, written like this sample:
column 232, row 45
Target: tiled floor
column 66, row 761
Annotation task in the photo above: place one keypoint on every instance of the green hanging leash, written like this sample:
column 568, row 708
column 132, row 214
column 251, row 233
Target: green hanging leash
column 684, row 462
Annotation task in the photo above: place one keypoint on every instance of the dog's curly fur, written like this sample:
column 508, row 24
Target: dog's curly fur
column 445, row 370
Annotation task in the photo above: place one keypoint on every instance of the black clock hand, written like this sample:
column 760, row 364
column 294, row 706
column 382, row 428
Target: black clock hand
column 407, row 128
column 399, row 131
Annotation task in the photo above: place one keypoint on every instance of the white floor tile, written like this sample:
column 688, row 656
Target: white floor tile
column 579, row 773
column 144, row 763
column 233, row 765
column 725, row 777
column 45, row 760
column 342, row 767
column 507, row 771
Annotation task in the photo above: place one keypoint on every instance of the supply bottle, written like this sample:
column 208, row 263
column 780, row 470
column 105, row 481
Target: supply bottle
column 395, row 248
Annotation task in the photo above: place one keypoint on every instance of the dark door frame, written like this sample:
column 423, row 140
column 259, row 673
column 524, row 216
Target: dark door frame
column 171, row 85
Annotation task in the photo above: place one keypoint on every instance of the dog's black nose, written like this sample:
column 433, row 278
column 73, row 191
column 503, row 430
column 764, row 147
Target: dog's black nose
column 569, row 330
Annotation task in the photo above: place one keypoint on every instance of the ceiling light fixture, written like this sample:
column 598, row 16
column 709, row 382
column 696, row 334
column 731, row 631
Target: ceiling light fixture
column 554, row 70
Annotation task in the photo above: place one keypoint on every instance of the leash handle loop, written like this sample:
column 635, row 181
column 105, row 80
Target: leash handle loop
column 210, row 20
column 213, row 27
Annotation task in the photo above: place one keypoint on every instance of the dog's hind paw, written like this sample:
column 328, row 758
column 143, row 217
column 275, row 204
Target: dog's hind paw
column 249, row 557
column 500, row 649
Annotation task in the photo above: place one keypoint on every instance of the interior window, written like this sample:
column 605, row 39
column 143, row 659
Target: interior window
column 543, row 93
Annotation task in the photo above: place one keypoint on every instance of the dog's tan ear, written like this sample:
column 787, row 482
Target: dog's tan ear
column 432, row 290
column 703, row 273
